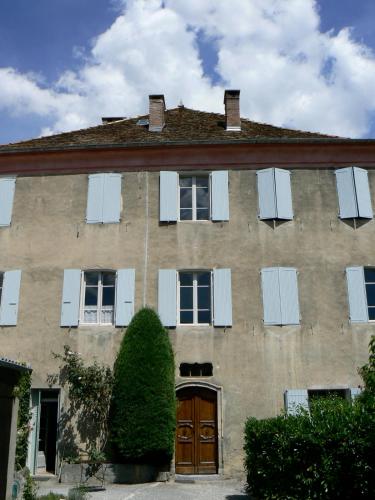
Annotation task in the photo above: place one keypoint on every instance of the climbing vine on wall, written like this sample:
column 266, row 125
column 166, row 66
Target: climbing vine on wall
column 22, row 391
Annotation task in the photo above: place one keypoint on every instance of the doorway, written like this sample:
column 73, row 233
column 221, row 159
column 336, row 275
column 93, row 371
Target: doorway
column 196, row 431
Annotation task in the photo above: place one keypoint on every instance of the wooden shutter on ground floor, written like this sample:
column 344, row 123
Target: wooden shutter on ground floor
column 125, row 282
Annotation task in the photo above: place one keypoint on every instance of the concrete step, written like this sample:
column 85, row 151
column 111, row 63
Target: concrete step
column 196, row 478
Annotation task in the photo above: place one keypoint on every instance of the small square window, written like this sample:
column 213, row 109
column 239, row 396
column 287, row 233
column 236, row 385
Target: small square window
column 194, row 198
column 98, row 297
column 196, row 370
column 195, row 297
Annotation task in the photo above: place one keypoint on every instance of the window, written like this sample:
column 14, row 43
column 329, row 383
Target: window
column 194, row 198
column 98, row 297
column 326, row 393
column 196, row 369
column 280, row 296
column 354, row 193
column 103, row 199
column 1, row 285
column 274, row 194
column 194, row 297
column 294, row 399
column 370, row 292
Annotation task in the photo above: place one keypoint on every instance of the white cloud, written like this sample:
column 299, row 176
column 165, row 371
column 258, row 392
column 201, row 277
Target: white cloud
column 288, row 71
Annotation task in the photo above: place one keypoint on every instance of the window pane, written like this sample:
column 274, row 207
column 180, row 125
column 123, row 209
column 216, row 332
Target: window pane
column 371, row 313
column 108, row 278
column 186, row 316
column 186, row 197
column 370, row 291
column 91, row 278
column 107, row 315
column 1, row 279
column 186, row 181
column 203, row 214
column 90, row 316
column 195, row 370
column 202, row 182
column 186, row 298
column 370, row 275
column 108, row 296
column 184, row 370
column 204, row 317
column 186, row 214
column 202, row 198
column 204, row 300
column 186, row 279
column 204, row 278
column 91, row 296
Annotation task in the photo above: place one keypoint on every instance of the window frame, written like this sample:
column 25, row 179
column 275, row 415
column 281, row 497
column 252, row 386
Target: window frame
column 364, row 284
column 194, row 197
column 1, row 285
column 195, row 272
column 99, row 321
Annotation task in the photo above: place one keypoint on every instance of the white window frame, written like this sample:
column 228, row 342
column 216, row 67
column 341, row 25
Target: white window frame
column 194, row 198
column 195, row 297
column 1, row 285
column 100, row 298
column 368, row 283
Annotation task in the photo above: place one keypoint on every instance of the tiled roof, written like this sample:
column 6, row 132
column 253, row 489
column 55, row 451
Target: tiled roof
column 183, row 126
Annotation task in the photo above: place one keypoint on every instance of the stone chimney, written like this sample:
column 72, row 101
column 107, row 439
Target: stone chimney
column 156, row 117
column 232, row 110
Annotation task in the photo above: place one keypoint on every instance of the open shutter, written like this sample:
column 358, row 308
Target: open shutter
column 266, row 193
column 94, row 212
column 289, row 296
column 111, row 198
column 10, row 298
column 124, row 296
column 167, row 297
column 355, row 392
column 346, row 193
column 295, row 399
column 168, row 196
column 222, row 297
column 33, row 441
column 70, row 297
column 271, row 296
column 363, row 193
column 219, row 196
column 7, row 187
column 357, row 294
column 284, row 208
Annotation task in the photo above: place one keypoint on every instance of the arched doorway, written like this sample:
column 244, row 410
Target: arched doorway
column 196, row 431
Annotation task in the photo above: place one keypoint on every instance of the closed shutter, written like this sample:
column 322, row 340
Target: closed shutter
column 357, row 295
column 219, row 196
column 10, row 298
column 363, row 193
column 222, row 285
column 295, row 399
column 289, row 296
column 168, row 196
column 284, row 208
column 70, row 297
column 167, row 297
column 111, row 198
column 266, row 193
column 346, row 193
column 94, row 212
column 355, row 392
column 125, row 282
column 271, row 296
column 7, row 187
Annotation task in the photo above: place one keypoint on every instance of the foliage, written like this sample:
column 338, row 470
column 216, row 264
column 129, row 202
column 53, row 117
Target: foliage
column 143, row 403
column 51, row 496
column 367, row 373
column 30, row 487
column 22, row 391
column 78, row 493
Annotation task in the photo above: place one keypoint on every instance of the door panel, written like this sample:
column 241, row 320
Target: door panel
column 206, row 422
column 185, row 438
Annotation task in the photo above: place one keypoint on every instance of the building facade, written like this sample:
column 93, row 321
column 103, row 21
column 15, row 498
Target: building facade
column 253, row 242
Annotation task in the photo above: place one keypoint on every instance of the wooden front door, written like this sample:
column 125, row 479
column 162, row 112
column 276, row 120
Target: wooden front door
column 196, row 432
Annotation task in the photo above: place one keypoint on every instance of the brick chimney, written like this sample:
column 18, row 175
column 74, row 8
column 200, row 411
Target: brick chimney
column 156, row 117
column 232, row 110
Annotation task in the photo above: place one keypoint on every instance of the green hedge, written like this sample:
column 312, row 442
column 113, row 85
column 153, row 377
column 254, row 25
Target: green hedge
column 326, row 454
column 143, row 415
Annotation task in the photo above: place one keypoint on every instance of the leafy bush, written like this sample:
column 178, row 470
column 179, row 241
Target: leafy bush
column 22, row 391
column 143, row 401
column 30, row 487
column 51, row 496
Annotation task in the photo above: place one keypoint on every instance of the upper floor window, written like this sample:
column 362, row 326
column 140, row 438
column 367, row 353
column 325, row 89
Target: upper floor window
column 354, row 193
column 1, row 284
column 196, row 370
column 274, row 194
column 280, row 296
column 104, row 198
column 361, row 293
column 194, row 297
column 194, row 198
column 98, row 297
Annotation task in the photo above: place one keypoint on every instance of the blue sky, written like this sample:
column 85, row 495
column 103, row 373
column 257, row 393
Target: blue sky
column 65, row 63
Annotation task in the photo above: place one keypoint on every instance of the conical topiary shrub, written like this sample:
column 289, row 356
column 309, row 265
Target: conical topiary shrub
column 143, row 412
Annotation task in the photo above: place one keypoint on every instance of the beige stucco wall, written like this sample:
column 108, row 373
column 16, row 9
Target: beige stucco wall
column 252, row 363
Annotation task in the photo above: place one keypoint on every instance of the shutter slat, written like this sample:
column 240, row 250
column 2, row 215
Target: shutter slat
column 295, row 399
column 357, row 294
column 7, row 187
column 289, row 296
column 283, row 190
column 271, row 296
column 363, row 193
column 70, row 297
column 266, row 194
column 222, row 285
column 94, row 212
column 125, row 283
column 10, row 298
column 219, row 196
column 346, row 193
column 168, row 196
column 167, row 297
column 111, row 198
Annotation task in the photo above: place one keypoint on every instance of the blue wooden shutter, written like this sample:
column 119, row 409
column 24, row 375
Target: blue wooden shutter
column 167, row 297
column 295, row 399
column 289, row 296
column 266, row 193
column 357, row 294
column 7, row 187
column 111, row 198
column 10, row 298
column 168, row 196
column 70, row 297
column 94, row 212
column 284, row 208
column 271, row 296
column 346, row 193
column 222, row 285
column 124, row 296
column 363, row 193
column 219, row 196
